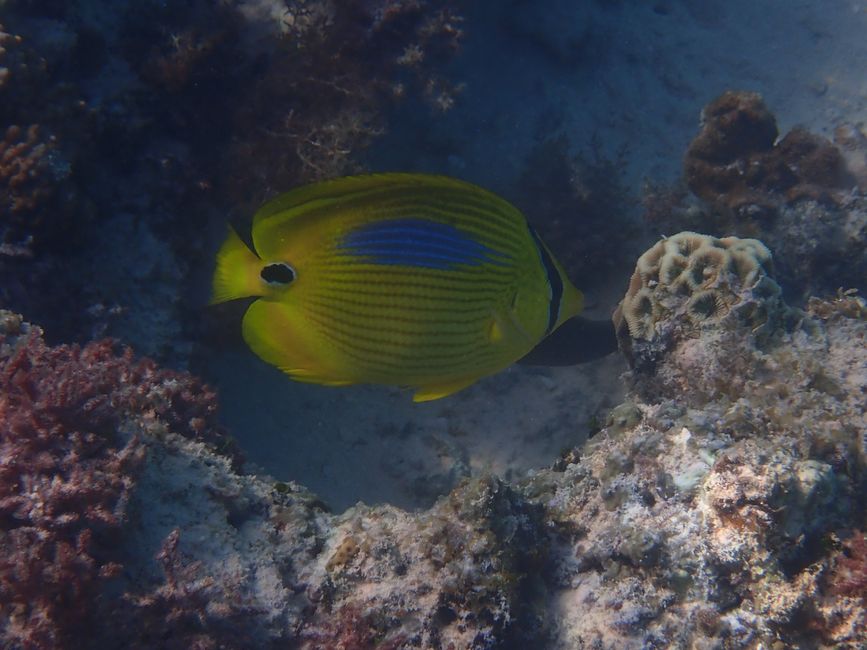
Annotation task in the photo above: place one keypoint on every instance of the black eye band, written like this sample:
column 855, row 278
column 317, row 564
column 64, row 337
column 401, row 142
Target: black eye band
column 278, row 273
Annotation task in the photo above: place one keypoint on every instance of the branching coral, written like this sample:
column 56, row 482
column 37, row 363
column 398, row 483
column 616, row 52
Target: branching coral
column 6, row 40
column 68, row 464
column 26, row 183
column 18, row 66
column 64, row 482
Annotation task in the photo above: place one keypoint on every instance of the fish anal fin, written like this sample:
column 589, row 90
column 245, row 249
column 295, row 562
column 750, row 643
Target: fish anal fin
column 438, row 391
column 308, row 376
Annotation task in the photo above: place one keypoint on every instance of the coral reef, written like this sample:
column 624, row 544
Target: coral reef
column 708, row 522
column 852, row 144
column 849, row 574
column 715, row 508
column 688, row 281
column 802, row 195
column 736, row 163
column 64, row 484
column 36, row 201
column 70, row 453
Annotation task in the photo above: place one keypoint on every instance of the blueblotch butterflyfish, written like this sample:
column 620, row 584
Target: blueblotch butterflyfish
column 402, row 279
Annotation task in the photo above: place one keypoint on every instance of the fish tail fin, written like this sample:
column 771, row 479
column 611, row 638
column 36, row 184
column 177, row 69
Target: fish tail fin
column 573, row 301
column 237, row 272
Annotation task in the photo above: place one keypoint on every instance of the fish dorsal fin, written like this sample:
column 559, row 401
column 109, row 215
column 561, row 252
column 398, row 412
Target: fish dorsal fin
column 299, row 200
column 324, row 191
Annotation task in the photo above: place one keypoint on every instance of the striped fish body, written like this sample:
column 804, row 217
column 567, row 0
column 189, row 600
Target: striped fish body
column 403, row 279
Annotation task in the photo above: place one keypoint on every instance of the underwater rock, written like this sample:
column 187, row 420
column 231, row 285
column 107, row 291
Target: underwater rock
column 736, row 164
column 707, row 513
column 802, row 196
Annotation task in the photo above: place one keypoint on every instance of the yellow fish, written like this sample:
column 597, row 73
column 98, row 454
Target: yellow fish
column 403, row 279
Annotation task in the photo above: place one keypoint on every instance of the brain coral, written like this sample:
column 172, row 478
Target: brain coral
column 696, row 278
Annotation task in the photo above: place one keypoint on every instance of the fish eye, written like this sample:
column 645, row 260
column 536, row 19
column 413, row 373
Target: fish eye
column 278, row 273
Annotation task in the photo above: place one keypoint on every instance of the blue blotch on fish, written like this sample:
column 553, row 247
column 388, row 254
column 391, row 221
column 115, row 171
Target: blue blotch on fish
column 419, row 242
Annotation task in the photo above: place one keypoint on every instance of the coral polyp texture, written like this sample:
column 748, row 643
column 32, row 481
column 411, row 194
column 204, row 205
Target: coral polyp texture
column 692, row 280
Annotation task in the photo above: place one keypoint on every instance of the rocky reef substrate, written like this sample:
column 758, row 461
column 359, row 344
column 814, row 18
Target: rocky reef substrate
column 722, row 505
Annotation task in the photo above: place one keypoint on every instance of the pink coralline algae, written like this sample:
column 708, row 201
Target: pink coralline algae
column 69, row 458
column 849, row 577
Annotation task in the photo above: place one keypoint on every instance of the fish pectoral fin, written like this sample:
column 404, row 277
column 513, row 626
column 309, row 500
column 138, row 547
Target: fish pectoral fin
column 437, row 391
column 506, row 328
